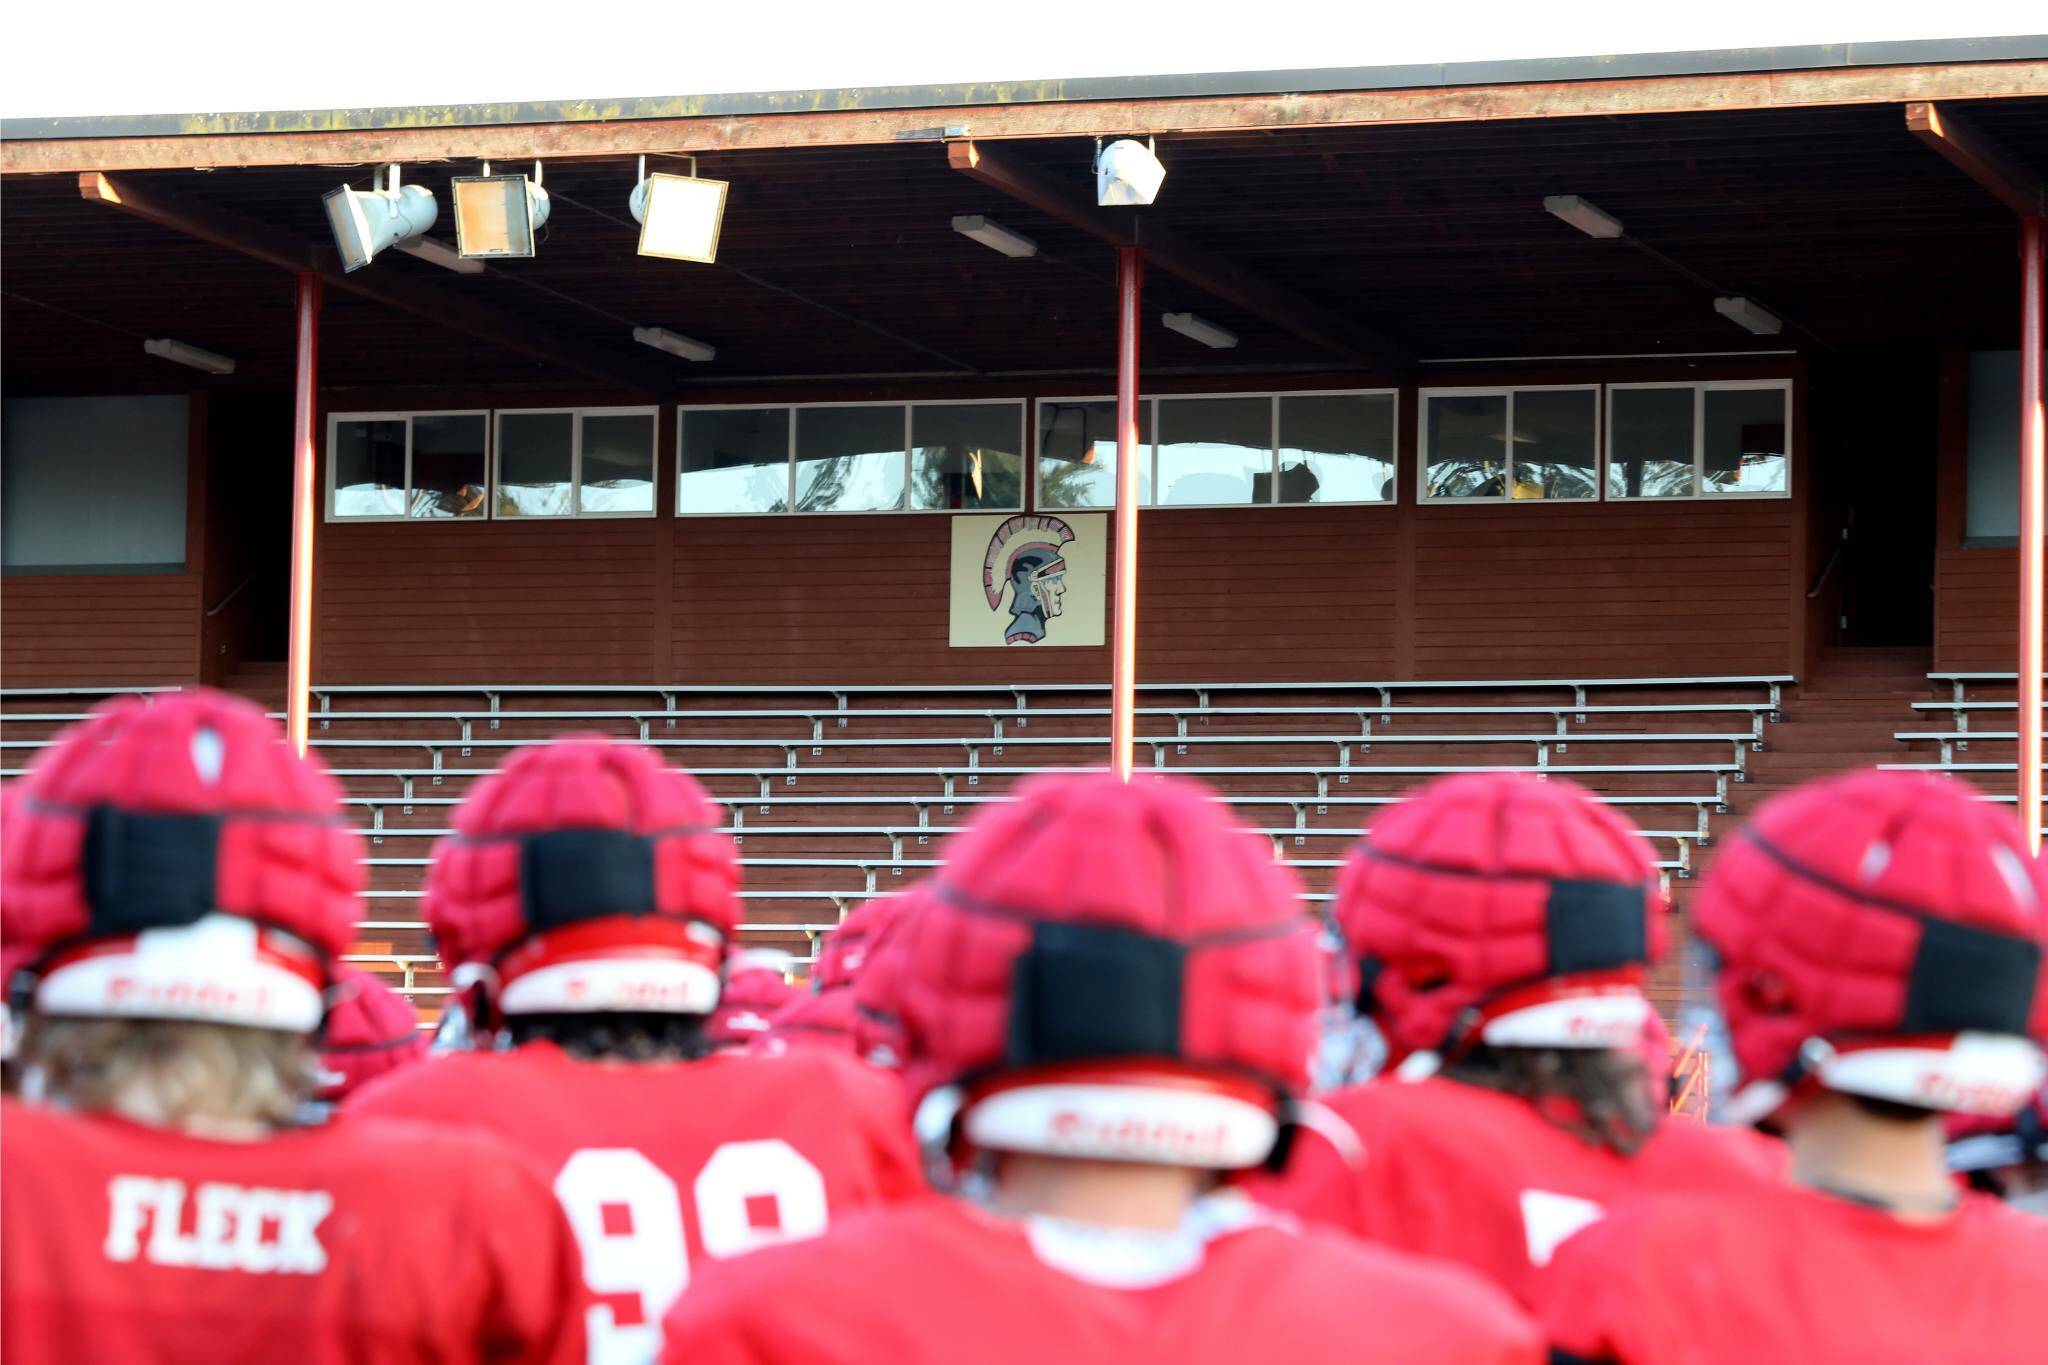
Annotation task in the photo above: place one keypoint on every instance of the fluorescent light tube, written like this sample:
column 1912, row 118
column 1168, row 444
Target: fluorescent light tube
column 990, row 233
column 675, row 343
column 1752, row 316
column 1200, row 329
column 1582, row 215
column 166, row 349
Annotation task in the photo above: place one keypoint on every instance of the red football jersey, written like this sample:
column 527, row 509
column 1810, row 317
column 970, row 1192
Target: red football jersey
column 938, row 1281
column 1481, row 1178
column 1789, row 1274
column 664, row 1168
column 354, row 1241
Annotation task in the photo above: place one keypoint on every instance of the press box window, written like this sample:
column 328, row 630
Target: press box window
column 734, row 460
column 1510, row 444
column 576, row 462
column 967, row 456
column 396, row 466
column 1222, row 450
column 1726, row 439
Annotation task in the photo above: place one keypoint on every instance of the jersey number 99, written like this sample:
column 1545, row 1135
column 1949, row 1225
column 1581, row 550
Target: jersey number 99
column 627, row 1214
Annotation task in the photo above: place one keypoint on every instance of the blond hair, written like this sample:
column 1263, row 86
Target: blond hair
column 172, row 1072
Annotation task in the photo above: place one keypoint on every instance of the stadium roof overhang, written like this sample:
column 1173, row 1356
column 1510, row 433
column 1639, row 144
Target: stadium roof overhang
column 1335, row 221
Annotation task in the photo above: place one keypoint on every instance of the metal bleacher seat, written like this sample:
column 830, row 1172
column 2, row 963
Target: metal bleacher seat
column 840, row 794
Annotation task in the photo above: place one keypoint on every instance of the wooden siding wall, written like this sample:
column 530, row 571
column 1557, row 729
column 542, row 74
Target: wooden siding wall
column 1976, row 587
column 1311, row 593
column 114, row 629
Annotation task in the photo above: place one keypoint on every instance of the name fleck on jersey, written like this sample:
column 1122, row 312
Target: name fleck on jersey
column 220, row 1227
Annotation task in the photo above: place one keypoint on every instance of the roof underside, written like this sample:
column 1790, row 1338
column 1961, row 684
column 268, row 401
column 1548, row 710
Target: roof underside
column 1433, row 235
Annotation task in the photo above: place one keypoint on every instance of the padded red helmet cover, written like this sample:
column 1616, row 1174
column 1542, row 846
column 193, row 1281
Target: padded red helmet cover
column 1818, row 909
column 1154, row 857
column 282, row 856
column 1448, row 901
column 371, row 1029
column 478, row 895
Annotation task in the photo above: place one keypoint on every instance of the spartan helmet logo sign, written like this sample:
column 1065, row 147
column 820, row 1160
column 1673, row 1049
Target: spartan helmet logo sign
column 1026, row 556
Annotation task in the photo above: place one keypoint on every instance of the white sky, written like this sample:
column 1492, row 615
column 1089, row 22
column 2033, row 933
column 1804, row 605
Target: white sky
column 80, row 57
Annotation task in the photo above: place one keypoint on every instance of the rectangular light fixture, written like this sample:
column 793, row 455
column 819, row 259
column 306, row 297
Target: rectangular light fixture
column 497, row 216
column 675, row 343
column 1752, row 316
column 1584, row 216
column 166, row 349
column 679, row 217
column 990, row 233
column 439, row 253
column 1200, row 329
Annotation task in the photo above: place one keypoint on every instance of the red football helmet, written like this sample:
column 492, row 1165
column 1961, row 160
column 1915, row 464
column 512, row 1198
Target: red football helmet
column 587, row 876
column 814, row 1021
column 877, row 1021
column 1504, row 909
column 176, row 860
column 371, row 1029
column 1110, row 970
column 1880, row 934
column 756, row 988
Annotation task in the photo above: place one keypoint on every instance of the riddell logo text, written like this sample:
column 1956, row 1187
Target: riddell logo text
column 1139, row 1133
column 220, row 1227
column 128, row 990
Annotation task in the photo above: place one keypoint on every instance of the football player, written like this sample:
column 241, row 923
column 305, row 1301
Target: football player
column 179, row 884
column 584, row 902
column 371, row 1029
column 756, row 988
column 823, row 1017
column 1880, row 962
column 1108, row 1001
column 1503, row 926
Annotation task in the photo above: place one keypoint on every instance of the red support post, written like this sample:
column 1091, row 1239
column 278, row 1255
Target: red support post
column 2033, row 229
column 1123, row 665
column 299, row 652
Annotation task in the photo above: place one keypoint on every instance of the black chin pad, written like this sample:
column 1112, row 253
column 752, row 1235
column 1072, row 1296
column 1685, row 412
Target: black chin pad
column 149, row 871
column 1970, row 979
column 578, row 874
column 1082, row 992
column 1596, row 926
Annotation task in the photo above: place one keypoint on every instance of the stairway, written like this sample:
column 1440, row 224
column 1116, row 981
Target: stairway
column 1841, row 716
column 261, row 681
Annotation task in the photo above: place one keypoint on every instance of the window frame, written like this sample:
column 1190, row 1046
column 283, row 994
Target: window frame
column 334, row 421
column 1700, row 388
column 1273, row 397
column 1026, row 452
column 576, row 415
column 1424, row 498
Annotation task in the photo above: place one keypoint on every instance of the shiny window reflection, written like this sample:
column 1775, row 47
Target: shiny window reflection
column 850, row 459
column 1077, row 453
column 1215, row 450
column 369, row 468
column 735, row 460
column 967, row 456
column 1649, row 453
column 1336, row 447
column 450, row 469
column 618, row 463
column 1745, row 448
column 536, row 460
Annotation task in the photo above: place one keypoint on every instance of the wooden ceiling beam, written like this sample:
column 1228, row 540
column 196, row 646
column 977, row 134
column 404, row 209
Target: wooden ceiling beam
column 253, row 140
column 1956, row 136
column 1168, row 250
column 237, row 232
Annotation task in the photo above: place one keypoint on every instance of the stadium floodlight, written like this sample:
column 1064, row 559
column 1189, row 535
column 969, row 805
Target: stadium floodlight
column 498, row 216
column 1753, row 316
column 366, row 222
column 1587, row 217
column 675, row 343
column 992, row 234
column 1127, row 173
column 679, row 215
column 1200, row 329
column 166, row 349
column 437, row 252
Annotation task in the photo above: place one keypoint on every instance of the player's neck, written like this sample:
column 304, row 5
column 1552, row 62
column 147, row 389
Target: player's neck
column 142, row 1104
column 1896, row 1164
column 1113, row 1194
